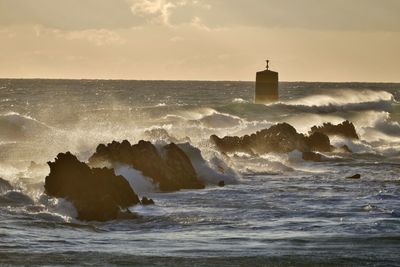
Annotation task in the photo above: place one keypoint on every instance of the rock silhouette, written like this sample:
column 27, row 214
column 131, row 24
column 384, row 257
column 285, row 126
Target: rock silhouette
column 170, row 167
column 345, row 129
column 283, row 138
column 279, row 138
column 97, row 194
column 147, row 201
column 355, row 176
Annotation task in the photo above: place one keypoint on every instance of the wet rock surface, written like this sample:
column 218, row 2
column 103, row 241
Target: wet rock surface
column 147, row 201
column 97, row 193
column 283, row 138
column 167, row 166
column 345, row 129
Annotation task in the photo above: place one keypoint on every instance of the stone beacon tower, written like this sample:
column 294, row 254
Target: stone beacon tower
column 267, row 85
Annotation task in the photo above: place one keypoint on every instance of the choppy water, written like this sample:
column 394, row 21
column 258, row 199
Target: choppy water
column 277, row 210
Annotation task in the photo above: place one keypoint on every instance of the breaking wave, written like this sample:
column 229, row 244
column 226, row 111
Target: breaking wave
column 343, row 100
column 15, row 126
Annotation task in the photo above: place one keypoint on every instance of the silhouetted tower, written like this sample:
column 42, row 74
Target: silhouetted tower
column 267, row 86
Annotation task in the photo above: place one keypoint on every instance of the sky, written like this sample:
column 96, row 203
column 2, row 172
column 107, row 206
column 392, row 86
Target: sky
column 306, row 40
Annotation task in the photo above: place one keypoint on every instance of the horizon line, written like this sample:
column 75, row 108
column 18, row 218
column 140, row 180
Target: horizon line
column 188, row 80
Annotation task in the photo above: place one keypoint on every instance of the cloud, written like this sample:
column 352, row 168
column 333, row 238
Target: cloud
column 68, row 14
column 99, row 37
column 158, row 11
column 327, row 15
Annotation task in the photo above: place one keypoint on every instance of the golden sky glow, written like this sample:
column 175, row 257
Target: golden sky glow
column 307, row 40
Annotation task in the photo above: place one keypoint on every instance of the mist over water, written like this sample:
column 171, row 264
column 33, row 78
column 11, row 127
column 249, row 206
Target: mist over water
column 276, row 208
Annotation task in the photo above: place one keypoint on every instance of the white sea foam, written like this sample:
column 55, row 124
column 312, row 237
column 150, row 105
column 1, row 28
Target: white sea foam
column 220, row 120
column 16, row 126
column 342, row 100
column 138, row 182
column 212, row 171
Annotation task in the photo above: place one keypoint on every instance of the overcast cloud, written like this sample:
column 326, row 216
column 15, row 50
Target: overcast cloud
column 364, row 15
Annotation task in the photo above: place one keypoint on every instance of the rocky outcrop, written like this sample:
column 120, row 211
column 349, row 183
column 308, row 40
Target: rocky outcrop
column 97, row 193
column 147, row 201
column 318, row 142
column 168, row 166
column 279, row 138
column 283, row 138
column 345, row 129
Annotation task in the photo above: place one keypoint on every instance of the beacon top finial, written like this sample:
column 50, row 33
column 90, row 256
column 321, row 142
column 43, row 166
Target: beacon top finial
column 267, row 86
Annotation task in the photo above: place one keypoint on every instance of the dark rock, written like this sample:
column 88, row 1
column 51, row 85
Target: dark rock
column 221, row 183
column 280, row 138
column 346, row 149
column 97, row 194
column 170, row 167
column 345, row 129
column 312, row 156
column 355, row 176
column 5, row 185
column 160, row 134
column 319, row 142
column 147, row 201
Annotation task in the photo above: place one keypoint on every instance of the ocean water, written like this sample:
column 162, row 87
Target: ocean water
column 276, row 209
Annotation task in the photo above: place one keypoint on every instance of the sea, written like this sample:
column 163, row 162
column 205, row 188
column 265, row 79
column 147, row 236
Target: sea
column 275, row 209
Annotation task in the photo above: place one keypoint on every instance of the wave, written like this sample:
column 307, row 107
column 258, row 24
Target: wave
column 342, row 100
column 15, row 126
column 212, row 171
column 335, row 101
column 15, row 198
column 139, row 183
column 220, row 120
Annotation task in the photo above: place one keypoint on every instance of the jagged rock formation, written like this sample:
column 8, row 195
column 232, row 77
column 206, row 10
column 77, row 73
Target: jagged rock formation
column 97, row 194
column 147, row 201
column 280, row 138
column 170, row 167
column 345, row 129
column 283, row 138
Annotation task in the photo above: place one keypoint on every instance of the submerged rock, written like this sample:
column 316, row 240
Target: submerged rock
column 311, row 156
column 97, row 194
column 355, row 176
column 221, row 183
column 169, row 167
column 147, row 201
column 345, row 129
